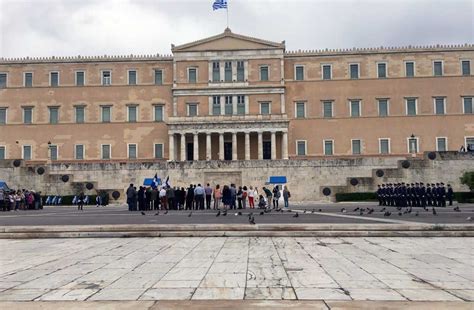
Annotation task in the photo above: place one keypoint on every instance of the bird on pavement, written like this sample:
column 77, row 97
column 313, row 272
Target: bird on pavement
column 343, row 210
column 296, row 214
column 356, row 209
column 383, row 209
column 250, row 214
column 387, row 213
column 399, row 213
column 166, row 212
column 262, row 213
column 224, row 213
column 218, row 213
column 304, row 211
column 434, row 211
column 157, row 213
column 190, row 214
column 252, row 220
column 143, row 213
column 239, row 213
column 267, row 210
column 457, row 209
column 370, row 211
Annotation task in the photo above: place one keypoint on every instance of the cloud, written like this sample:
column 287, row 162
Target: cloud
column 99, row 27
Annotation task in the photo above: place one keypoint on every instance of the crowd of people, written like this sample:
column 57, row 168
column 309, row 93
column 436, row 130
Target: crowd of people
column 20, row 200
column 415, row 194
column 198, row 197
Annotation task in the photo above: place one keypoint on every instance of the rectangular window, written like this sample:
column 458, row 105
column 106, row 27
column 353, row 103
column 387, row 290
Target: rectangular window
column 132, row 151
column 106, row 114
column 3, row 116
column 328, row 147
column 106, row 77
column 301, row 148
column 300, row 110
column 441, row 144
column 327, row 72
column 470, row 143
column 192, row 109
column 132, row 113
column 299, row 73
column 79, row 151
column 2, row 152
column 383, row 107
column 381, row 70
column 327, row 109
column 240, row 71
column 263, row 73
column 412, row 145
column 355, row 108
column 354, row 71
column 192, row 75
column 27, row 115
column 411, row 106
column 80, row 114
column 265, row 108
column 229, row 108
column 466, row 67
column 437, row 68
column 384, row 146
column 106, row 151
column 28, row 79
column 228, row 71
column 3, row 80
column 216, row 71
column 53, row 152
column 439, row 106
column 216, row 105
column 53, row 115
column 54, row 79
column 132, row 77
column 158, row 113
column 80, row 78
column 158, row 150
column 467, row 105
column 356, row 147
column 409, row 69
column 240, row 105
column 26, row 152
column 158, row 77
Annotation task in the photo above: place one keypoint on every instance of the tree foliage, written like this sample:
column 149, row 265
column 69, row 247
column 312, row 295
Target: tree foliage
column 468, row 179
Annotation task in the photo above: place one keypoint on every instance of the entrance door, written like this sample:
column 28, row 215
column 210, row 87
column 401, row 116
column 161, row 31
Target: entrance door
column 190, row 151
column 227, row 150
column 267, row 150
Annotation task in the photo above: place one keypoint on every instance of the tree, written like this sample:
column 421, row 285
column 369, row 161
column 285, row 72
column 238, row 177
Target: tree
column 468, row 179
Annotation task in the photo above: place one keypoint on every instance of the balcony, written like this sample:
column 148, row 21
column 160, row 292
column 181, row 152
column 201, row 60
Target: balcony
column 248, row 118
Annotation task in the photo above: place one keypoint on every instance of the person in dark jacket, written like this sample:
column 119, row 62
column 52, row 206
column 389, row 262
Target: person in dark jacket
column 141, row 199
column 80, row 201
column 190, row 198
column 226, row 197
column 148, row 199
column 450, row 195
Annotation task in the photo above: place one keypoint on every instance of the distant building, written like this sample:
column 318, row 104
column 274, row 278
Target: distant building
column 233, row 97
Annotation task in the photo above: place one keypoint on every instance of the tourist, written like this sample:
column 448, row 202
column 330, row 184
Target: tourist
column 276, row 196
column 233, row 194
column 217, row 196
column 262, row 204
column 226, row 197
column 251, row 194
column 208, row 193
column 239, row 197
column 80, row 201
column 268, row 193
column 154, row 199
column 170, row 195
column 148, row 198
column 190, row 198
column 286, row 195
column 450, row 195
column 199, row 197
column 244, row 197
column 163, row 198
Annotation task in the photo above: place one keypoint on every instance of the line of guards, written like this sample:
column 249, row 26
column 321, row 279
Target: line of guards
column 414, row 194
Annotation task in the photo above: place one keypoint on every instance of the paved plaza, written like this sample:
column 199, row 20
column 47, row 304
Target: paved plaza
column 341, row 269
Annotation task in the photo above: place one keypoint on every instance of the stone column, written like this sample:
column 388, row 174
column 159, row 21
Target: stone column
column 208, row 146
column 234, row 146
column 196, row 146
column 260, row 145
column 284, row 145
column 274, row 156
column 247, row 146
column 183, row 146
column 171, row 147
column 221, row 146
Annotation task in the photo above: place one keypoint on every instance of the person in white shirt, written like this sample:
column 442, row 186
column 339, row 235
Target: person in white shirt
column 251, row 195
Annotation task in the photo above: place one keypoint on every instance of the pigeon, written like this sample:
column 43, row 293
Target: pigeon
column 278, row 210
column 399, row 213
column 370, row 211
column 320, row 210
column 356, row 209
column 434, row 211
column 343, row 210
column 239, row 213
column 166, row 212
column 296, row 214
column 416, row 214
column 387, row 213
column 304, row 211
column 224, row 213
column 383, row 209
column 218, row 213
column 190, row 214
column 469, row 219
column 252, row 220
column 267, row 210
column 457, row 209
column 262, row 213
column 157, row 213
column 143, row 213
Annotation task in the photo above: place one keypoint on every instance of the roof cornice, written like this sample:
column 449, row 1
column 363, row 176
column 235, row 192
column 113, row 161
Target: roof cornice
column 85, row 59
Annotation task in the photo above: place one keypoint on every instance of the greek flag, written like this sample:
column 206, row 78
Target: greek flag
column 219, row 4
column 167, row 182
column 154, row 184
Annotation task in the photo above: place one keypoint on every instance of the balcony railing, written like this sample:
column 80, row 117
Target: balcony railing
column 229, row 118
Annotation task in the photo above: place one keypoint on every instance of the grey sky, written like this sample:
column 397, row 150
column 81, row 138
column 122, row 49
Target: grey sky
column 113, row 27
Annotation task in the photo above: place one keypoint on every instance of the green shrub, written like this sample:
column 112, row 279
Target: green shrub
column 468, row 179
column 464, row 197
column 365, row 196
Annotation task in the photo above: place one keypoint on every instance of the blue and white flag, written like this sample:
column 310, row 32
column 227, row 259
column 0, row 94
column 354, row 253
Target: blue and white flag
column 219, row 4
column 167, row 182
column 155, row 182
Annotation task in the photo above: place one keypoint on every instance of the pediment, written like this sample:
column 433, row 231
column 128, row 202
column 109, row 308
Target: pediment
column 227, row 41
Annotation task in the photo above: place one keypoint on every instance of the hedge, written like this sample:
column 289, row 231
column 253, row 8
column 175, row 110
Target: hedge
column 461, row 197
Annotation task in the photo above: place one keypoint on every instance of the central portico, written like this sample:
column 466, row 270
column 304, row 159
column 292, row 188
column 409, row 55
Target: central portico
column 221, row 109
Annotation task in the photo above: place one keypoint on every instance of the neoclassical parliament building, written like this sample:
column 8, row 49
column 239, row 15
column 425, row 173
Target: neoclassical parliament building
column 234, row 97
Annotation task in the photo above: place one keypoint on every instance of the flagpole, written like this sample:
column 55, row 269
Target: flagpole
column 227, row 10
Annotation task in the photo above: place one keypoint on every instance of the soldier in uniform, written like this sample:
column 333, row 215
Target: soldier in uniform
column 428, row 194
column 422, row 195
column 379, row 194
column 443, row 195
column 450, row 195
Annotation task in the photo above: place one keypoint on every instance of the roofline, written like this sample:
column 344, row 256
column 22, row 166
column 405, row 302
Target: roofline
column 84, row 59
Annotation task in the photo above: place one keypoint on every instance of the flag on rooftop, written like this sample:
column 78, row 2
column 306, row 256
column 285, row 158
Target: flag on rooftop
column 219, row 4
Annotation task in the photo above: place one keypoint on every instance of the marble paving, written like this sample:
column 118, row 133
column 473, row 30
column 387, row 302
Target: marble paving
column 386, row 269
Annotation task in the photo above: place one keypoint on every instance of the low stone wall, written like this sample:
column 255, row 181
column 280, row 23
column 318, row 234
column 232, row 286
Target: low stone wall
column 306, row 178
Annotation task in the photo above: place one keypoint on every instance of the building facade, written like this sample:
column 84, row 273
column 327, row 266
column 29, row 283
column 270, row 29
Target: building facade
column 233, row 97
